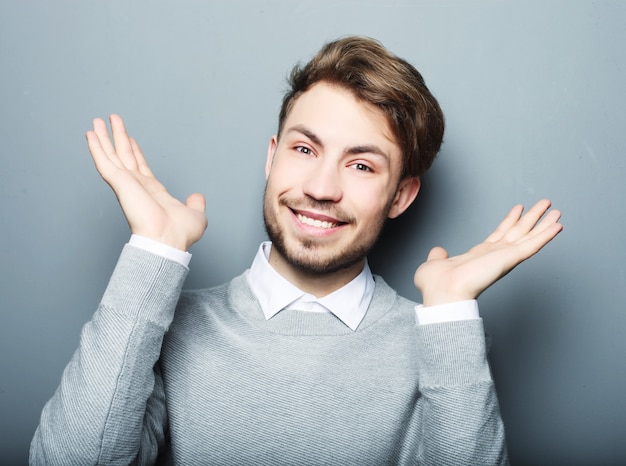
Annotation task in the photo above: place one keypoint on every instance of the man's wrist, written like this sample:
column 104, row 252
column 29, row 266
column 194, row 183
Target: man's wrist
column 160, row 249
column 449, row 312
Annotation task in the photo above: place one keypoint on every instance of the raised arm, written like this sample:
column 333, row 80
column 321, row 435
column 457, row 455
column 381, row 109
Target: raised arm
column 110, row 407
column 443, row 279
column 461, row 406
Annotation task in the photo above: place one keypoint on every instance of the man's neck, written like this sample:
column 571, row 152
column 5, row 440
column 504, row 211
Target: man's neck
column 319, row 285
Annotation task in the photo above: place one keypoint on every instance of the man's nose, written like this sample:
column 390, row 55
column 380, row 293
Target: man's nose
column 324, row 182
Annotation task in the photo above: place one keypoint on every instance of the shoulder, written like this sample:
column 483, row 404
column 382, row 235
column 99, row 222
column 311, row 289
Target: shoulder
column 207, row 307
column 197, row 309
column 190, row 299
column 383, row 293
column 389, row 309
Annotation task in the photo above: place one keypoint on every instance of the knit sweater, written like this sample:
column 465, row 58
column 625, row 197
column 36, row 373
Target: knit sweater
column 202, row 378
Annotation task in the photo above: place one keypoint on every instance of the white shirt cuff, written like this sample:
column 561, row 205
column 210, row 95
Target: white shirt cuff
column 160, row 249
column 449, row 312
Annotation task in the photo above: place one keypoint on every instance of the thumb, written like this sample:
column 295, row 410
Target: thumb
column 437, row 253
column 197, row 202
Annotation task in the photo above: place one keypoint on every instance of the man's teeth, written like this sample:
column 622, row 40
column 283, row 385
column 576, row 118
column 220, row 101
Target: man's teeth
column 315, row 223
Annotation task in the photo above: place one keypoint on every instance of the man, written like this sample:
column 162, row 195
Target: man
column 305, row 358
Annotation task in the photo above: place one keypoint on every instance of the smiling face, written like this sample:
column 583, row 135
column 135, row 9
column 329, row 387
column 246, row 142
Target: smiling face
column 333, row 178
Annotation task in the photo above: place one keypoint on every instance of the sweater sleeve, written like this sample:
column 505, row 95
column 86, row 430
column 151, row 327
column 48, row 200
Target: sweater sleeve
column 459, row 410
column 110, row 406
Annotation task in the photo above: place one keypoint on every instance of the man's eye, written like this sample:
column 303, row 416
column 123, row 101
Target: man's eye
column 304, row 150
column 361, row 167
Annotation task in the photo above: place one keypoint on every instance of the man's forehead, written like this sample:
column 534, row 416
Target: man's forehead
column 324, row 103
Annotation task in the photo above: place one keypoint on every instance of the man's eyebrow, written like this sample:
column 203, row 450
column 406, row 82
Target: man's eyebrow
column 306, row 132
column 367, row 149
column 354, row 150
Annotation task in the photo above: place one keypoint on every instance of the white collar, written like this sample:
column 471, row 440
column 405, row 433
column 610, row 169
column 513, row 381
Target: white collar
column 275, row 293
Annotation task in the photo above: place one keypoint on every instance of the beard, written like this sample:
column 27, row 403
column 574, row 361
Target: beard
column 313, row 256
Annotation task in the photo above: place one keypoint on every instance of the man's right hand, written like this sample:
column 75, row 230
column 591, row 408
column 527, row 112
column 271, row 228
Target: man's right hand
column 149, row 209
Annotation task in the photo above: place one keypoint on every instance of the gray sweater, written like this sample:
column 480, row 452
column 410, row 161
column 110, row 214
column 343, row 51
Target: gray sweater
column 202, row 378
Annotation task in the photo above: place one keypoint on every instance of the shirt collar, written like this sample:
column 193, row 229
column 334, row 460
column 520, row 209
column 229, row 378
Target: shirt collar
column 275, row 293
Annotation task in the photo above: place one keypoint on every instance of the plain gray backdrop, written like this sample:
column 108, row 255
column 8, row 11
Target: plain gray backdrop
column 534, row 97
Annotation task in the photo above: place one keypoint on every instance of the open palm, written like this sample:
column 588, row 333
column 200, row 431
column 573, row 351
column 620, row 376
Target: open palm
column 149, row 209
column 443, row 279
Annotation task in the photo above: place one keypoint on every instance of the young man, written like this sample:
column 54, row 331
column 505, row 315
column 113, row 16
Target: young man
column 305, row 358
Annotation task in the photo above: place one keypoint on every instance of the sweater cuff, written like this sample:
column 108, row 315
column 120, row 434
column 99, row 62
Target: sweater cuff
column 161, row 249
column 144, row 286
column 453, row 354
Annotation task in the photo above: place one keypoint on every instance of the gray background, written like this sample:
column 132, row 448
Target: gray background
column 534, row 97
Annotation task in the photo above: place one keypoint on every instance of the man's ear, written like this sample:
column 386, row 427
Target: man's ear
column 271, row 149
column 405, row 195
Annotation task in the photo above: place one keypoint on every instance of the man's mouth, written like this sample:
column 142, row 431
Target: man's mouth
column 316, row 223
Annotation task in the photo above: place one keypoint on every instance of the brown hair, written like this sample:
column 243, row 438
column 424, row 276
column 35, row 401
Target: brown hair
column 375, row 75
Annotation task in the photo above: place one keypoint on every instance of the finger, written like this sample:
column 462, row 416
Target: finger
column 507, row 223
column 534, row 244
column 551, row 218
column 197, row 202
column 528, row 221
column 437, row 253
column 142, row 165
column 101, row 131
column 103, row 162
column 122, row 142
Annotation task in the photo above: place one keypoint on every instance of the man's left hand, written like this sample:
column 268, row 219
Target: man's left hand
column 443, row 279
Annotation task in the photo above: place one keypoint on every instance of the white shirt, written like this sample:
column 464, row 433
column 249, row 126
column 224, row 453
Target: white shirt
column 349, row 303
column 275, row 293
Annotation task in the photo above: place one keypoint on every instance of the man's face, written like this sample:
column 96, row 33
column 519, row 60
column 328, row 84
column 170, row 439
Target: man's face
column 332, row 180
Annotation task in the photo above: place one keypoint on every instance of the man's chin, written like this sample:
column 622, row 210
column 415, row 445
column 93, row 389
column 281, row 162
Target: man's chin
column 317, row 256
column 309, row 259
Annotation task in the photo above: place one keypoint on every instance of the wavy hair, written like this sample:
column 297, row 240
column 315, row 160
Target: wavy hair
column 376, row 76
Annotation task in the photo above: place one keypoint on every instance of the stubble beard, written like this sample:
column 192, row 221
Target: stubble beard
column 308, row 255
